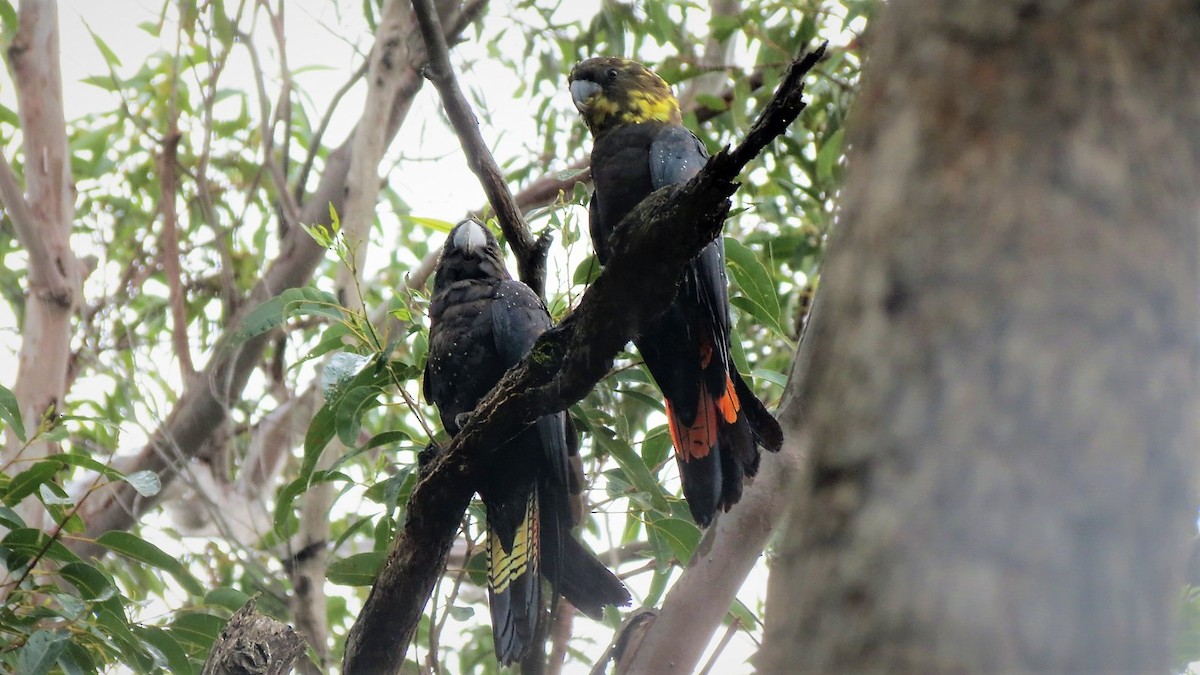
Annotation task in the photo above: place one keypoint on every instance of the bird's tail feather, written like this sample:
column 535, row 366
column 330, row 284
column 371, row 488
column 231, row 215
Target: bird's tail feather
column 767, row 431
column 514, row 584
column 583, row 580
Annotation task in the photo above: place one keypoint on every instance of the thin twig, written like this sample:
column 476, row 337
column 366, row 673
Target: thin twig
column 314, row 143
column 208, row 210
column 22, row 217
column 649, row 566
column 169, row 182
column 729, row 633
column 530, row 252
column 291, row 212
column 560, row 636
column 283, row 109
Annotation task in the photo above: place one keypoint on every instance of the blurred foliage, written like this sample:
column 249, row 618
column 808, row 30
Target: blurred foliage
column 157, row 606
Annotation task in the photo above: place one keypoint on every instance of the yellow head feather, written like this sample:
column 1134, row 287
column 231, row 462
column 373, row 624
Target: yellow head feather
column 610, row 92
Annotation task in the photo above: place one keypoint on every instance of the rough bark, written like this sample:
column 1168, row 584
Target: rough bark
column 253, row 644
column 1001, row 392
column 42, row 218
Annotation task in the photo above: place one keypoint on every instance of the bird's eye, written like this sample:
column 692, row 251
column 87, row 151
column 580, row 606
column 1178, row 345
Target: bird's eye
column 612, row 73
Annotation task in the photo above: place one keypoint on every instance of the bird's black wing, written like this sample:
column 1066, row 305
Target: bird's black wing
column 675, row 156
column 518, row 318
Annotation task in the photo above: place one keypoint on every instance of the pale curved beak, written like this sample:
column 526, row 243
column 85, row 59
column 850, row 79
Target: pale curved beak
column 470, row 237
column 582, row 91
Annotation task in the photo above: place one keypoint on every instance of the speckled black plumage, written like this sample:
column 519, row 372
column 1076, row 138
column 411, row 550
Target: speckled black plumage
column 482, row 322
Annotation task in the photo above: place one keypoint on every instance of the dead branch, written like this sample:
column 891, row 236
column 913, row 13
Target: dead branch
column 253, row 644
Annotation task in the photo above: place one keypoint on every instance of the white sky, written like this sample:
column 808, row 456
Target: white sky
column 318, row 35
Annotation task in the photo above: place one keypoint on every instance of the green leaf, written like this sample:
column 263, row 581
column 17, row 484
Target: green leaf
column 222, row 26
column 388, row 492
column 196, row 631
column 29, row 481
column 135, row 548
column 828, row 156
column 434, row 224
column 656, row 447
column 8, row 17
column 340, row 370
column 110, row 57
column 9, row 116
column 88, row 464
column 680, row 535
column 587, row 271
column 27, row 542
column 10, row 519
column 285, row 521
column 774, row 377
column 711, row 101
column 229, row 598
column 460, row 612
column 658, row 586
column 356, row 570
column 146, row 483
column 743, row 614
column 350, row 409
column 189, row 14
column 105, row 82
column 635, row 470
column 171, row 655
column 40, row 652
column 271, row 313
column 477, row 569
column 759, row 297
column 393, row 437
column 91, row 583
column 52, row 495
column 77, row 660
column 10, row 412
column 72, row 607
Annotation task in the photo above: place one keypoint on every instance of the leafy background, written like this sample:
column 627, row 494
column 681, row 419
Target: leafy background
column 345, row 379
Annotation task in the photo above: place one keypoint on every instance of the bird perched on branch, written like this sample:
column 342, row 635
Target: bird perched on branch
column 639, row 146
column 482, row 322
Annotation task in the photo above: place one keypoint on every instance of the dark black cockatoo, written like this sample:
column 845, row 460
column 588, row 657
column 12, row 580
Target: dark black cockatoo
column 482, row 322
column 639, row 146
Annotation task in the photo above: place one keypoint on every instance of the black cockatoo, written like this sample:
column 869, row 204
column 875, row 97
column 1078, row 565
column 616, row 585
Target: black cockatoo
column 482, row 322
column 639, row 146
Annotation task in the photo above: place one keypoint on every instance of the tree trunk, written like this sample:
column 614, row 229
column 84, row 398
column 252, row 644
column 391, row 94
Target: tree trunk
column 1002, row 367
column 42, row 219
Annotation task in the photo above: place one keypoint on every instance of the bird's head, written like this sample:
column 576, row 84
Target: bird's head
column 610, row 91
column 471, row 252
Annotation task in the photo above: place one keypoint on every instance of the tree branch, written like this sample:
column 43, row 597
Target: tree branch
column 13, row 198
column 205, row 402
column 650, row 249
column 45, row 230
column 530, row 252
column 169, row 238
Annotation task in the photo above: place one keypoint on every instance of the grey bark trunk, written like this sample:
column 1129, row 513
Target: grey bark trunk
column 1001, row 396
